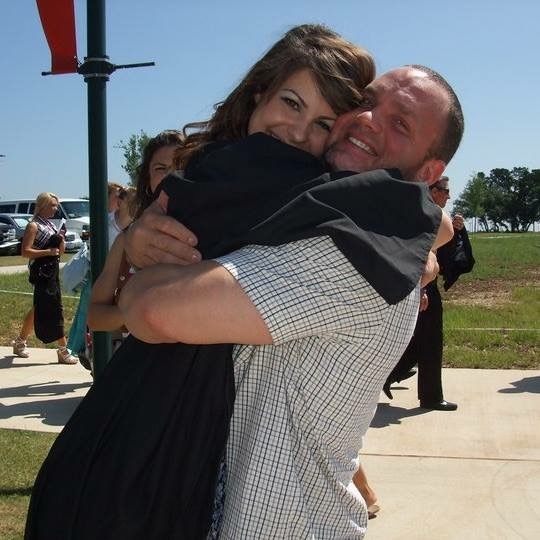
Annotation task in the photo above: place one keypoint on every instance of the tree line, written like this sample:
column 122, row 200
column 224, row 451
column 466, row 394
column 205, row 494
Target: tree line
column 504, row 199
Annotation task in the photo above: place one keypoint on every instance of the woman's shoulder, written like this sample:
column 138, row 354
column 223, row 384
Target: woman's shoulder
column 31, row 226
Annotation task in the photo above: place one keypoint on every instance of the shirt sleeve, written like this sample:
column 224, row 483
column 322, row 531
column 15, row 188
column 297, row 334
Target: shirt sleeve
column 302, row 289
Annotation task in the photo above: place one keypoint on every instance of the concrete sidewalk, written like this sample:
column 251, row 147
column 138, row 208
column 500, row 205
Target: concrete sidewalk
column 38, row 393
column 469, row 474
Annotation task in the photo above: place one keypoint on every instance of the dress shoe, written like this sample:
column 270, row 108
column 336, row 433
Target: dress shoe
column 388, row 383
column 442, row 405
column 410, row 373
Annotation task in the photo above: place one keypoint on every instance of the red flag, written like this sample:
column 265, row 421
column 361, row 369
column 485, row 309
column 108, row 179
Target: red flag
column 58, row 21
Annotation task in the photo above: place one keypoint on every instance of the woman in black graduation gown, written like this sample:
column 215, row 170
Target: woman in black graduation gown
column 140, row 456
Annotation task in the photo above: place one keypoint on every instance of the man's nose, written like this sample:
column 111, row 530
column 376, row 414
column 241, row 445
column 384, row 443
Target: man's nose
column 368, row 119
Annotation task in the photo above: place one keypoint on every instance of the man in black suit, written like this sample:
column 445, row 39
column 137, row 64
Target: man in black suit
column 426, row 346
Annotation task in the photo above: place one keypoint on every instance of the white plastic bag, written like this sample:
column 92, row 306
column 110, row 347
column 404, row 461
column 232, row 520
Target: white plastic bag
column 76, row 271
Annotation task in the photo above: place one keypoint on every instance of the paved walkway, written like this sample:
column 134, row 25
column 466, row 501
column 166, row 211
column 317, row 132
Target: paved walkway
column 469, row 474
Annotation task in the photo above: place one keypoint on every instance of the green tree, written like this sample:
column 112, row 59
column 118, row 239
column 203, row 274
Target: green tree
column 528, row 192
column 505, row 199
column 133, row 150
column 514, row 198
column 471, row 202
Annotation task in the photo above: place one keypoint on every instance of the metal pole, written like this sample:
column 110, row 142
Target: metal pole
column 97, row 160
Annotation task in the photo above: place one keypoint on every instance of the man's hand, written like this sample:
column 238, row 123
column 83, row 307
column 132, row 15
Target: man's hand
column 431, row 270
column 458, row 222
column 158, row 238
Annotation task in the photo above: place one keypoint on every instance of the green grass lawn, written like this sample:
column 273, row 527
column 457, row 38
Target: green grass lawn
column 22, row 453
column 502, row 292
column 15, row 301
column 17, row 260
column 492, row 315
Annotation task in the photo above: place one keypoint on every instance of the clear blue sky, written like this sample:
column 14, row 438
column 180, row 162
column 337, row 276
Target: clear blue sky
column 487, row 50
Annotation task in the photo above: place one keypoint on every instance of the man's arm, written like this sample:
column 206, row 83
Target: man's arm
column 158, row 238
column 198, row 304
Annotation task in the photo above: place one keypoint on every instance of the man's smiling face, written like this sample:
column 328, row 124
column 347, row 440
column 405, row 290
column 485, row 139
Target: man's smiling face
column 403, row 116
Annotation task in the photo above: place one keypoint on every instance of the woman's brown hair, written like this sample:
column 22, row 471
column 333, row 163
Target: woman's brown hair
column 341, row 70
column 144, row 196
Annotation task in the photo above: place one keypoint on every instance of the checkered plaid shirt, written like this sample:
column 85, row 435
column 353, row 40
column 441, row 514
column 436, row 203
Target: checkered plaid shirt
column 304, row 403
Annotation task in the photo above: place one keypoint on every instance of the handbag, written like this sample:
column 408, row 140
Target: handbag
column 42, row 270
column 75, row 272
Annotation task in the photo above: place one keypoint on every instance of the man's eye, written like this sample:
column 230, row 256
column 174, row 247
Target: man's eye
column 291, row 103
column 401, row 125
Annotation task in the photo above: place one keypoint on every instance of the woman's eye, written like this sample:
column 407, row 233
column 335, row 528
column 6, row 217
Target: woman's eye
column 324, row 125
column 291, row 103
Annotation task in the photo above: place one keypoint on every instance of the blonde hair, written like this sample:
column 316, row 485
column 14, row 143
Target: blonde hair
column 114, row 186
column 43, row 200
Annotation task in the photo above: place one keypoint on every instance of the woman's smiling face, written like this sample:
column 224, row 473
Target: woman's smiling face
column 296, row 114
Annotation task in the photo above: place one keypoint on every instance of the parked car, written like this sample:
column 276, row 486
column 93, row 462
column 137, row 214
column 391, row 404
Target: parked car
column 19, row 221
column 73, row 241
column 9, row 245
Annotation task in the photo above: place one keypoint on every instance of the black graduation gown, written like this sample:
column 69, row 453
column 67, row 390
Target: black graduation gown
column 139, row 457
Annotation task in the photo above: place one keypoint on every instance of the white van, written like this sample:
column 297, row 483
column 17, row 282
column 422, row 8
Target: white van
column 76, row 212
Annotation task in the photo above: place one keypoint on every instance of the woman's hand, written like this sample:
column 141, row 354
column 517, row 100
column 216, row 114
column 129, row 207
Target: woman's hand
column 55, row 252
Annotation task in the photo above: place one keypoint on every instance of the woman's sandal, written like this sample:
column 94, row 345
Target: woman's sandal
column 372, row 510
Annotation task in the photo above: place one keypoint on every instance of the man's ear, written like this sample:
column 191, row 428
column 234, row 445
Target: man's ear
column 431, row 171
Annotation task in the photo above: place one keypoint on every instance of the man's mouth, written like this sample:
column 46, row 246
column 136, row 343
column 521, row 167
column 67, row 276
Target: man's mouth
column 362, row 145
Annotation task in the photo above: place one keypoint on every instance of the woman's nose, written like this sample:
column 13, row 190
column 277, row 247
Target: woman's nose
column 298, row 132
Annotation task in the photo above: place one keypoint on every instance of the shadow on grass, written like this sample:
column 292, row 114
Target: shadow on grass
column 23, row 491
column 527, row 384
column 387, row 415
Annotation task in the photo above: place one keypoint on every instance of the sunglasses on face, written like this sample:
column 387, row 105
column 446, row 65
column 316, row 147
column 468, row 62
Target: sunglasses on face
column 438, row 188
